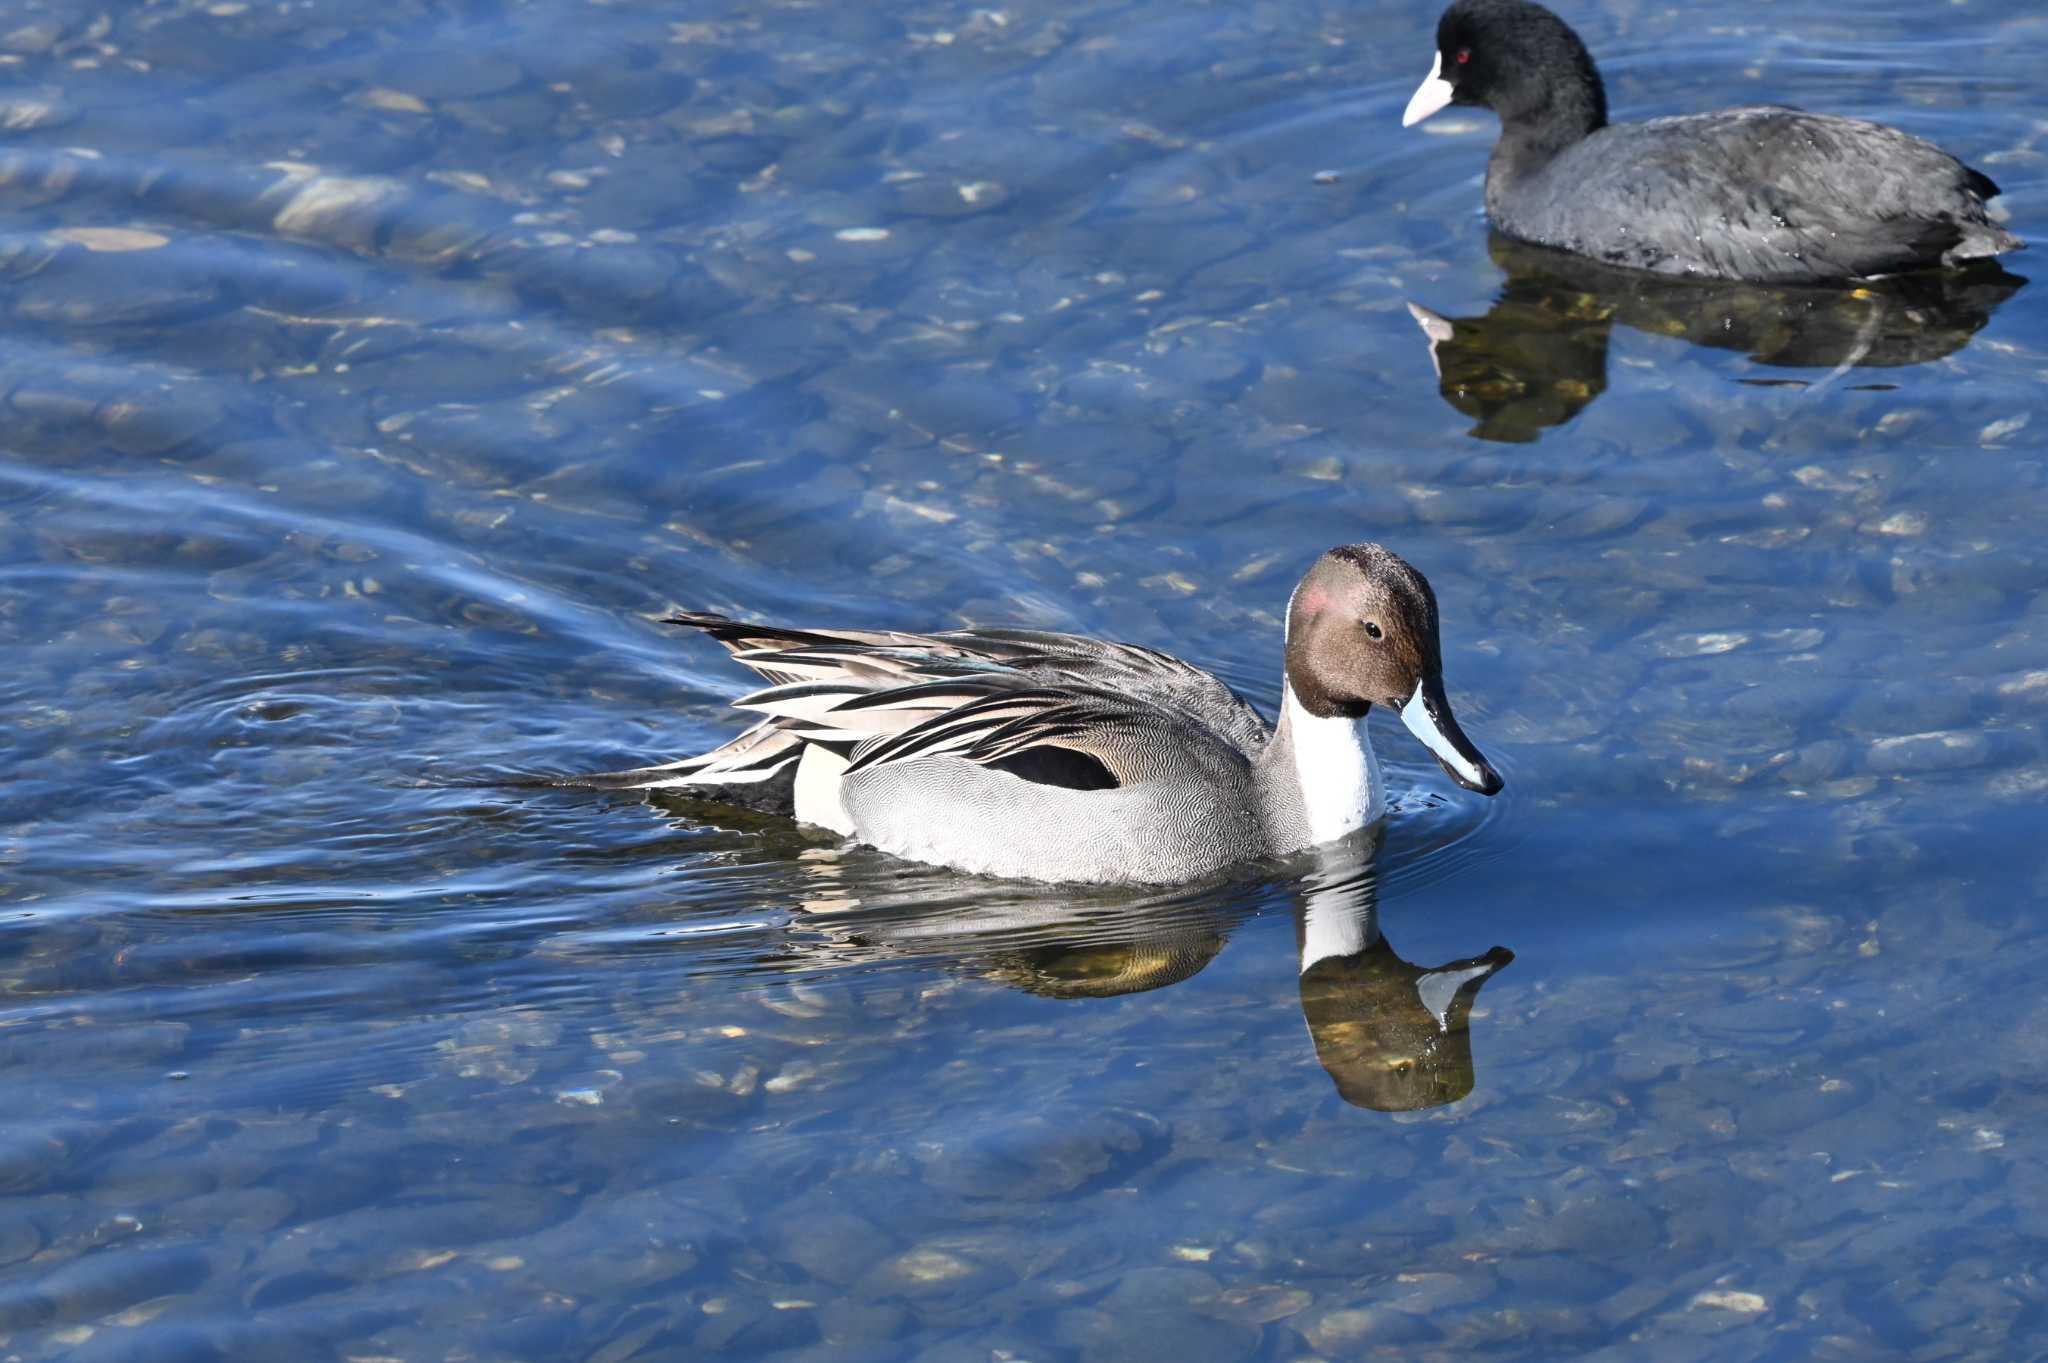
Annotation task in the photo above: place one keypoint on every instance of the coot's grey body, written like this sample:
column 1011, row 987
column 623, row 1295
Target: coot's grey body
column 1762, row 193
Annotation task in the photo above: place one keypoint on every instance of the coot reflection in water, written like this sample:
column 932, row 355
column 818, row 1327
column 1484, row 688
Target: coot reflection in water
column 1392, row 1035
column 1539, row 355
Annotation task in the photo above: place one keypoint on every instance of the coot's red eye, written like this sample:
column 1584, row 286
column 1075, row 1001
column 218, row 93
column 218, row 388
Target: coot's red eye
column 1464, row 55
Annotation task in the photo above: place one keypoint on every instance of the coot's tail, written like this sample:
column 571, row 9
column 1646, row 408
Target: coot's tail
column 1981, row 241
column 1983, row 238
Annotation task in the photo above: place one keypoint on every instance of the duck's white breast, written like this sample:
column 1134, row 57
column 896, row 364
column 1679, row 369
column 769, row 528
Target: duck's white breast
column 1340, row 779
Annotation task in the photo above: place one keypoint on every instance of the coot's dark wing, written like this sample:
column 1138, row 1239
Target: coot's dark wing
column 1757, row 193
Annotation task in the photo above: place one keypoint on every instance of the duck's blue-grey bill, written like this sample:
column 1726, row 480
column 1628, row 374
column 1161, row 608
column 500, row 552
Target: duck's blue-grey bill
column 1428, row 716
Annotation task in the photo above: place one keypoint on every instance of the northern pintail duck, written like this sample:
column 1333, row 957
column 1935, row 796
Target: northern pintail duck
column 1054, row 757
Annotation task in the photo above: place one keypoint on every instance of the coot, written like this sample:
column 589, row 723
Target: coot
column 1761, row 192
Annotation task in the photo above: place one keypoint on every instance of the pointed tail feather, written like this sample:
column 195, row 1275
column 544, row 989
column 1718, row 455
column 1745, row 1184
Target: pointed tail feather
column 757, row 755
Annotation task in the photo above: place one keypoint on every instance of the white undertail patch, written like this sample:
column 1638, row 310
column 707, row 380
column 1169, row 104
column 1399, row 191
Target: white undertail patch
column 817, row 790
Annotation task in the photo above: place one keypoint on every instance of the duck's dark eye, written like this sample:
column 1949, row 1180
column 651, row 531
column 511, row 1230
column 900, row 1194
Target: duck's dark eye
column 1372, row 629
column 1464, row 55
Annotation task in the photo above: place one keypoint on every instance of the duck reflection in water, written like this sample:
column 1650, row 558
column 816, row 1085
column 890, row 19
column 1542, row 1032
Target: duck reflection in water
column 1539, row 355
column 1394, row 1036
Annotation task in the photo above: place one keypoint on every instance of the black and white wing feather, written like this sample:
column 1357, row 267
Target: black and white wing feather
column 1053, row 708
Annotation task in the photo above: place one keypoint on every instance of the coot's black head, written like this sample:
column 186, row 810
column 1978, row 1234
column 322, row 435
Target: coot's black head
column 1519, row 60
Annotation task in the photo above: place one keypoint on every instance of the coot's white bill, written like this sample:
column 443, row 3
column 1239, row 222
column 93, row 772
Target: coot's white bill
column 1431, row 95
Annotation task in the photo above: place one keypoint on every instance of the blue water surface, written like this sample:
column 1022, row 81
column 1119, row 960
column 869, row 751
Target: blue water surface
column 375, row 380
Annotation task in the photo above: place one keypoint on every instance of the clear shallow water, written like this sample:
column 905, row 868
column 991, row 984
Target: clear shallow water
column 370, row 389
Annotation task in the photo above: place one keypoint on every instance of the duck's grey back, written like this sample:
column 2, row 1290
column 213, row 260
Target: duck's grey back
column 1143, row 675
